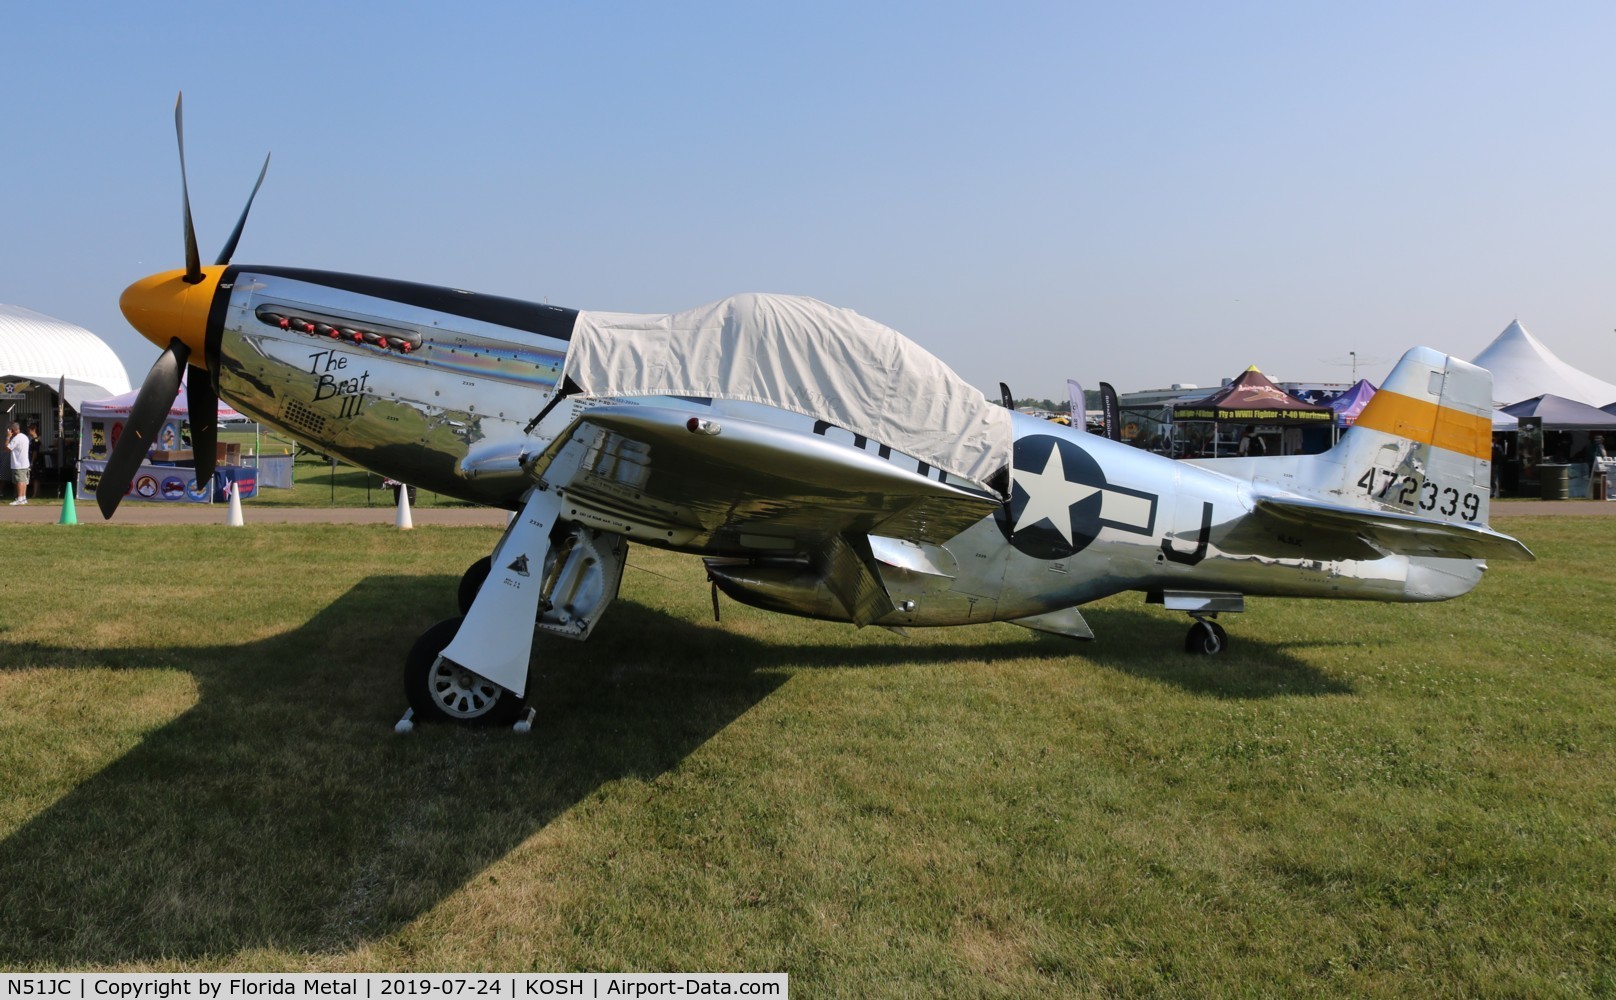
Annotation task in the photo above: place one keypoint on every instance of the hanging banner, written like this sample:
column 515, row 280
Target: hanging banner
column 1113, row 411
column 156, row 483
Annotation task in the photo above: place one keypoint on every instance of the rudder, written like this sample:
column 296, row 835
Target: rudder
column 1423, row 444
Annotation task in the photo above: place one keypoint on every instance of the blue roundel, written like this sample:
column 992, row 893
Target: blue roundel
column 1058, row 497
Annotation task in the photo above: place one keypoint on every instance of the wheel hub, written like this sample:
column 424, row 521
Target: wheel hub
column 461, row 693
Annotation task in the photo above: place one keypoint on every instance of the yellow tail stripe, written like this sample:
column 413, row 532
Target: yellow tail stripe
column 1426, row 422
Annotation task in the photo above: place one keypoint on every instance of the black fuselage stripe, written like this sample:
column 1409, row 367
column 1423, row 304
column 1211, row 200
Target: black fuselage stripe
column 555, row 322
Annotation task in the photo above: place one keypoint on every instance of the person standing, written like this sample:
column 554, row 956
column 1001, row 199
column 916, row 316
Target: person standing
column 1597, row 455
column 1251, row 444
column 17, row 444
column 36, row 462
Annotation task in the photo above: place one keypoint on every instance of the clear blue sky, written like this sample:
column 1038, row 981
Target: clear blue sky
column 1145, row 193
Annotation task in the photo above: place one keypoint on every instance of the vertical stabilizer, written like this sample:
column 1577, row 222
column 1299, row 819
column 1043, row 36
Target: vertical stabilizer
column 1422, row 446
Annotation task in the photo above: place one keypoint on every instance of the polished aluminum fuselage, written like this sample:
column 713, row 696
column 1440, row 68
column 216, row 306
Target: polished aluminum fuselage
column 456, row 393
column 469, row 389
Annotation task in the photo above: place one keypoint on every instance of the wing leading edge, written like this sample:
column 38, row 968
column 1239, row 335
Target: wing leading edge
column 727, row 484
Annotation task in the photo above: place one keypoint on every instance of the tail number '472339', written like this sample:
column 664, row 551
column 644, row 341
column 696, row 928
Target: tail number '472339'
column 1405, row 490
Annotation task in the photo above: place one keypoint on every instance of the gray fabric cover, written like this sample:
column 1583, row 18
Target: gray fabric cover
column 802, row 355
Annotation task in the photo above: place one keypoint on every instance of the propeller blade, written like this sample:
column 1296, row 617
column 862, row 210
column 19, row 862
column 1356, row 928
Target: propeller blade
column 156, row 396
column 235, row 236
column 203, row 402
column 193, row 257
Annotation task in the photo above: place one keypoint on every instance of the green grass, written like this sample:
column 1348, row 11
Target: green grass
column 316, row 482
column 1359, row 799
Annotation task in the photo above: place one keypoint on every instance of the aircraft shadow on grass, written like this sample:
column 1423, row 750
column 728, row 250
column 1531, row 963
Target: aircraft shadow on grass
column 280, row 812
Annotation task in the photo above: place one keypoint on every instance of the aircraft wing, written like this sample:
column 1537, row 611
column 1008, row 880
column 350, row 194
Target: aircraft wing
column 727, row 485
column 1399, row 534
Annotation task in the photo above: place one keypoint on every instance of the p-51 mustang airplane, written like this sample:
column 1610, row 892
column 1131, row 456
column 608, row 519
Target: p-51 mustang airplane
column 823, row 464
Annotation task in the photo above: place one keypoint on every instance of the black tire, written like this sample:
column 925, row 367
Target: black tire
column 472, row 581
column 1206, row 639
column 442, row 691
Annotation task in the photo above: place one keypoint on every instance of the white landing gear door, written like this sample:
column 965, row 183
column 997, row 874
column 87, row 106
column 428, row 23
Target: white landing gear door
column 496, row 639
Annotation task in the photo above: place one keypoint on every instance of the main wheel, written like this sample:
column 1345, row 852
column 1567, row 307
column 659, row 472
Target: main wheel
column 1206, row 638
column 442, row 690
column 472, row 581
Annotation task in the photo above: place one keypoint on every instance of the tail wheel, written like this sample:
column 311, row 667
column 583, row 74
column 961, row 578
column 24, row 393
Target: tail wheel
column 1206, row 638
column 442, row 690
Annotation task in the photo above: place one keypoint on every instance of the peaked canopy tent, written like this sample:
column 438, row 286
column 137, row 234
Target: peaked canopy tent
column 1561, row 414
column 119, row 406
column 103, row 423
column 1524, row 368
column 1254, row 399
column 1249, row 400
column 1350, row 403
column 1568, row 431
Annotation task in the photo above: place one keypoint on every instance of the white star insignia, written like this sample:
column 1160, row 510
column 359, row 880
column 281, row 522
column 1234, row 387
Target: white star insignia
column 1051, row 495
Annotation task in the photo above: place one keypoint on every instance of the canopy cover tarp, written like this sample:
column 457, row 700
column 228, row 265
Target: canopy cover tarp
column 801, row 355
column 1253, row 399
column 1561, row 414
column 1350, row 403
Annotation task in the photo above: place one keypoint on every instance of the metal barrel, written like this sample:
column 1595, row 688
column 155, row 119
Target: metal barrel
column 1556, row 480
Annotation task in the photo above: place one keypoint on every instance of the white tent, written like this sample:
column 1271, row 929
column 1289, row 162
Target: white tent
column 51, row 352
column 166, row 479
column 1523, row 367
column 118, row 407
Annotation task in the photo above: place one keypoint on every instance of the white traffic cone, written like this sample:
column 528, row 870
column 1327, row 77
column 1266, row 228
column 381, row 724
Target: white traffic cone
column 403, row 521
column 233, row 518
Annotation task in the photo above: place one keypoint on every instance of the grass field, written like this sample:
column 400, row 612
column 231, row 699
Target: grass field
column 317, row 482
column 1385, row 800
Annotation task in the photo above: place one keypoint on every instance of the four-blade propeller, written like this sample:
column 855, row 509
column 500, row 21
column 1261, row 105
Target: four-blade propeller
column 162, row 383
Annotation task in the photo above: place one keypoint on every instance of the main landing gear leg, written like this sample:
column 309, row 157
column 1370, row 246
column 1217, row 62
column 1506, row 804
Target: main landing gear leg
column 474, row 669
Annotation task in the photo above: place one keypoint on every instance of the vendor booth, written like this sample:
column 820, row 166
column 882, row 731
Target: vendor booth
column 168, row 475
column 1350, row 403
column 48, row 369
column 1252, row 401
column 1568, row 428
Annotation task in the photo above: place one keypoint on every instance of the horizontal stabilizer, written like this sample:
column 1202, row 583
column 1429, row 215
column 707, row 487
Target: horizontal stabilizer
column 1399, row 534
